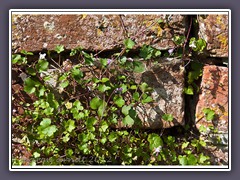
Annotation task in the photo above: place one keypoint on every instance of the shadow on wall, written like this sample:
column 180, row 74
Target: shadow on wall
column 167, row 95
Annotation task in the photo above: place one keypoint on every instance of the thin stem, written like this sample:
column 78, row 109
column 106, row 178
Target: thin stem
column 186, row 40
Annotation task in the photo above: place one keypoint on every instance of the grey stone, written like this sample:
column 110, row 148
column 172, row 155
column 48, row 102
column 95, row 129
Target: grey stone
column 167, row 80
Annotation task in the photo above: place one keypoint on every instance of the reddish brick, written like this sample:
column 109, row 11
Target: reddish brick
column 214, row 95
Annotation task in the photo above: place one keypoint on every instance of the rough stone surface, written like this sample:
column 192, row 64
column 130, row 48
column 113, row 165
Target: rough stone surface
column 167, row 81
column 94, row 32
column 214, row 30
column 214, row 95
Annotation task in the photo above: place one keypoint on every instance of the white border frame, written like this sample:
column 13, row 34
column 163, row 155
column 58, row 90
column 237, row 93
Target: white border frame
column 118, row 11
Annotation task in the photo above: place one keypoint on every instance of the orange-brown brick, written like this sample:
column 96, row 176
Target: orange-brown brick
column 214, row 95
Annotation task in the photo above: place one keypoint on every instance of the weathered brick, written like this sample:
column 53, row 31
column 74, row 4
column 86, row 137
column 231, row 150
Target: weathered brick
column 214, row 95
column 214, row 30
column 94, row 32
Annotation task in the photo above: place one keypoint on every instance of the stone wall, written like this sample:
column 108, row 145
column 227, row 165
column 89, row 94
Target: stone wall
column 107, row 32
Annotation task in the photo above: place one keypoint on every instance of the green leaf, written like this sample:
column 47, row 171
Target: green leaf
column 73, row 52
column 48, row 111
column 154, row 141
column 143, row 87
column 46, row 129
column 45, row 122
column 187, row 151
column 128, row 121
column 136, row 96
column 76, row 74
column 29, row 85
column 182, row 160
column 125, row 109
column 29, row 89
column 147, row 99
column 102, row 108
column 189, row 90
column 133, row 87
column 36, row 155
column 202, row 158
column 102, row 88
column 31, row 71
column 66, row 138
column 103, row 80
column 124, row 88
column 123, row 60
column 191, row 159
column 104, row 61
column 64, row 84
column 42, row 65
column 63, row 77
column 113, row 118
column 138, row 66
column 26, row 52
column 133, row 113
column 104, row 126
column 157, row 53
column 69, row 153
column 16, row 58
column 112, row 137
column 146, row 52
column 197, row 45
column 41, row 91
column 129, row 43
column 103, row 140
column 88, row 58
column 59, row 48
column 202, row 129
column 160, row 21
column 118, row 100
column 201, row 44
column 84, row 148
column 90, row 123
column 95, row 103
column 184, row 145
column 210, row 114
column 194, row 75
column 167, row 117
column 179, row 40
column 49, row 131
column 78, row 105
column 70, row 125
column 83, row 138
column 52, row 101
column 170, row 140
column 78, row 115
column 202, row 143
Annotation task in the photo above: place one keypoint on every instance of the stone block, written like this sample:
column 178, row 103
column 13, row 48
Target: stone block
column 214, row 30
column 167, row 80
column 214, row 95
column 94, row 32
